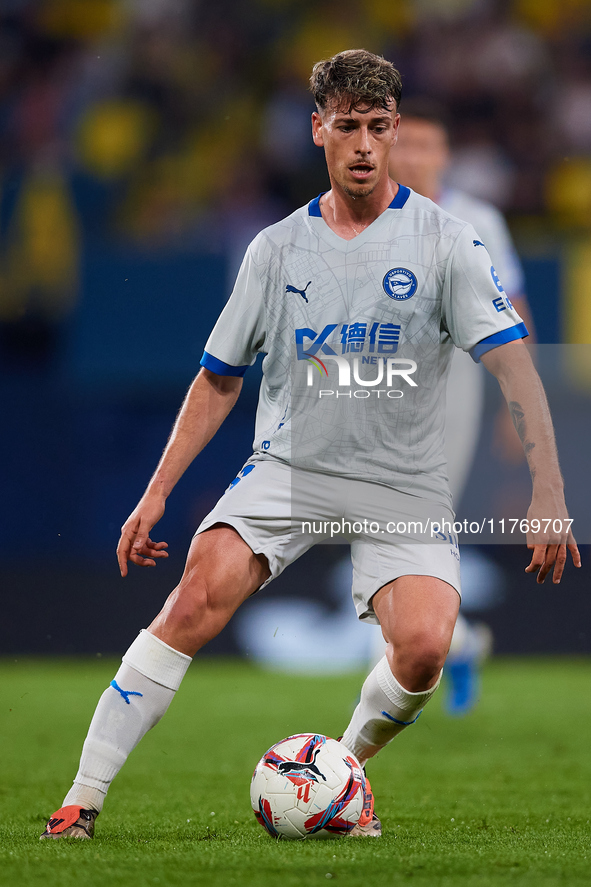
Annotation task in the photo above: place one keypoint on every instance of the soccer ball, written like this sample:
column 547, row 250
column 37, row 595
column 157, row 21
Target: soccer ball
column 308, row 785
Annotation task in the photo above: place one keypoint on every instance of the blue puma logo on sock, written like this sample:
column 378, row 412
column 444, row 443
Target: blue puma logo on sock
column 402, row 723
column 125, row 693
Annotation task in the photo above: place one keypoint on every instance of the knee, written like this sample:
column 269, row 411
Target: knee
column 195, row 612
column 186, row 606
column 189, row 607
column 417, row 663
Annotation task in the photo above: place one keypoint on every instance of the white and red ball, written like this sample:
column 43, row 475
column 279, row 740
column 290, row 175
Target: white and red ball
column 308, row 786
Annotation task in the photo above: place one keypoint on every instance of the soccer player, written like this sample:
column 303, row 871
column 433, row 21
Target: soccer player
column 420, row 160
column 365, row 271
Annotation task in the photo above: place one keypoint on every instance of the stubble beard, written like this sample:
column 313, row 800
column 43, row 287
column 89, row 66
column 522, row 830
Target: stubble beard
column 361, row 192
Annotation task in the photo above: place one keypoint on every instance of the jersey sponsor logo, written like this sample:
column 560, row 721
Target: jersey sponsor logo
column 293, row 289
column 356, row 338
column 318, row 341
column 503, row 301
column 478, row 243
column 496, row 280
column 374, row 342
column 400, row 284
column 381, row 338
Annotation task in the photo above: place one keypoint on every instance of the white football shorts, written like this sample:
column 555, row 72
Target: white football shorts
column 281, row 511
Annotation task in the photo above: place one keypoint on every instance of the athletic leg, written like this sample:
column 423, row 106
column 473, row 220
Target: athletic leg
column 220, row 573
column 417, row 615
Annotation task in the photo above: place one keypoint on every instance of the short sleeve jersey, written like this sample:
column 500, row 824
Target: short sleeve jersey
column 358, row 337
column 492, row 229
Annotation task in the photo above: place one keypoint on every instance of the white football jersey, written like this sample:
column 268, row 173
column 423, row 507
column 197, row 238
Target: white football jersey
column 492, row 228
column 358, row 336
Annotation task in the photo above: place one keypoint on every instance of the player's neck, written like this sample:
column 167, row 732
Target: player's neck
column 349, row 216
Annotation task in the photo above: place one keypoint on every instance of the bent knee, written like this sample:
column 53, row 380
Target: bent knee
column 418, row 663
column 191, row 603
column 190, row 618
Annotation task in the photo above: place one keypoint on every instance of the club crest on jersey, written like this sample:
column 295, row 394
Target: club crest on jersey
column 400, row 284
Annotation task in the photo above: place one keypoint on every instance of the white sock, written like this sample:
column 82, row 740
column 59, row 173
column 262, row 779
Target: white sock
column 385, row 708
column 142, row 690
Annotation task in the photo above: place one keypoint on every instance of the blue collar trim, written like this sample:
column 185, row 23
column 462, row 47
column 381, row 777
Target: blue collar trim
column 314, row 206
column 401, row 197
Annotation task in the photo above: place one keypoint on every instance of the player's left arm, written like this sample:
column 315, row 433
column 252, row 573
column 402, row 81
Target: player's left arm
column 506, row 442
column 526, row 399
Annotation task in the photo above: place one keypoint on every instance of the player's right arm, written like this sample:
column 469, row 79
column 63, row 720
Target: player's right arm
column 209, row 400
column 232, row 347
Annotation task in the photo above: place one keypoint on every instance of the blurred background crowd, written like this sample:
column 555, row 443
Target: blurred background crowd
column 171, row 124
column 143, row 143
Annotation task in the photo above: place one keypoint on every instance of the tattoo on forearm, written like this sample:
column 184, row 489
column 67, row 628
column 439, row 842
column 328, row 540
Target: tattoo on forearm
column 518, row 418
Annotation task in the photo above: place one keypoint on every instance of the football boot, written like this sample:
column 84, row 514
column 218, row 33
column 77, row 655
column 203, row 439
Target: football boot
column 71, row 822
column 368, row 826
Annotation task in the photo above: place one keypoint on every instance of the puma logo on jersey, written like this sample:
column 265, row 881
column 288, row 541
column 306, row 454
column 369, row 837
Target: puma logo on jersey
column 478, row 243
column 292, row 289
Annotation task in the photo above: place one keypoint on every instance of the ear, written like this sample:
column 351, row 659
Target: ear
column 317, row 133
column 396, row 127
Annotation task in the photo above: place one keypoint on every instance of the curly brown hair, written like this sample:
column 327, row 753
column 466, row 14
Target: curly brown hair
column 355, row 79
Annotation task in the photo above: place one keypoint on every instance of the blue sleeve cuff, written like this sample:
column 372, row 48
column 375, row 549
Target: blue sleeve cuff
column 219, row 367
column 519, row 331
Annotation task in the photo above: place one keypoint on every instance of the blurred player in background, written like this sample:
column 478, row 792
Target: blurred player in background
column 336, row 277
column 420, row 160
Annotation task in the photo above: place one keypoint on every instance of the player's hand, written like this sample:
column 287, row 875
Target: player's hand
column 135, row 544
column 554, row 538
column 547, row 556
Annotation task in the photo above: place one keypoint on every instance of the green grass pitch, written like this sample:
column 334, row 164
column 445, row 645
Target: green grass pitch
column 500, row 797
